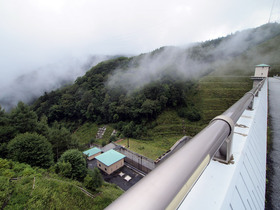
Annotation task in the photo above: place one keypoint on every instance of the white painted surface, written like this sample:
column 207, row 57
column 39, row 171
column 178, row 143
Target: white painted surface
column 261, row 71
column 240, row 185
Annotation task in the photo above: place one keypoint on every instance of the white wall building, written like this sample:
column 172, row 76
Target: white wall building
column 261, row 70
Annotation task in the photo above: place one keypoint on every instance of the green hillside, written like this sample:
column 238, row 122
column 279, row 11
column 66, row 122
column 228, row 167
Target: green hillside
column 24, row 187
column 170, row 106
column 153, row 100
column 219, row 93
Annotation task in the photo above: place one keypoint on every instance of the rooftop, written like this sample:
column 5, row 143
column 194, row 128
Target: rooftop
column 92, row 151
column 262, row 65
column 110, row 157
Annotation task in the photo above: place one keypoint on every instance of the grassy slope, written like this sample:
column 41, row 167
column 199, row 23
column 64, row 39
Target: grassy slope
column 50, row 191
column 88, row 131
column 219, row 93
column 216, row 94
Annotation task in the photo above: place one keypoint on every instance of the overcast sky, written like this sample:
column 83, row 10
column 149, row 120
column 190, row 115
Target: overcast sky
column 36, row 33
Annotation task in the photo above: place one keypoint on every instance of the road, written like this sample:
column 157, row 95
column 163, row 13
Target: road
column 273, row 161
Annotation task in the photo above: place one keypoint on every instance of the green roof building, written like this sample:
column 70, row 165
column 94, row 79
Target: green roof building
column 92, row 153
column 110, row 161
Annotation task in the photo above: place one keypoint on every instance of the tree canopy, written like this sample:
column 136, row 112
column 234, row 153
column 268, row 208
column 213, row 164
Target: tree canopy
column 94, row 179
column 77, row 161
column 31, row 148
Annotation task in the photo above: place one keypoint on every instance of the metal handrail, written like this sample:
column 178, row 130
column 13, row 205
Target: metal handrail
column 167, row 185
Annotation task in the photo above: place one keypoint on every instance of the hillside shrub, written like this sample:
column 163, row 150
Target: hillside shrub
column 31, row 148
column 77, row 161
column 193, row 115
column 182, row 112
column 93, row 180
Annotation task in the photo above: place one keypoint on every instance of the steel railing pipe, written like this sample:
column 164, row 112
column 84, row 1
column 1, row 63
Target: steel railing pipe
column 167, row 185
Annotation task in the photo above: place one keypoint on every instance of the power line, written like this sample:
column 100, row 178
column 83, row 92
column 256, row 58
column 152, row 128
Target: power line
column 274, row 4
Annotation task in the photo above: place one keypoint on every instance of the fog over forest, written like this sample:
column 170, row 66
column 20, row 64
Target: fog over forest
column 189, row 62
column 32, row 84
column 47, row 43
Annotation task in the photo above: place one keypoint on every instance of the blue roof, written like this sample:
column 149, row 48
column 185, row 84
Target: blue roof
column 92, row 151
column 263, row 65
column 110, row 157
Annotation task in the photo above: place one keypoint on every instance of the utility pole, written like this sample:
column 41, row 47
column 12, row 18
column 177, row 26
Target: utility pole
column 273, row 4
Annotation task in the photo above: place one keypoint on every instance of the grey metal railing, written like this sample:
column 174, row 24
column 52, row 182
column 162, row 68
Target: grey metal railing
column 167, row 185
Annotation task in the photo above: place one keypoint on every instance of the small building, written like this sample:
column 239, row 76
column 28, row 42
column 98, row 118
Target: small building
column 92, row 153
column 110, row 161
column 261, row 70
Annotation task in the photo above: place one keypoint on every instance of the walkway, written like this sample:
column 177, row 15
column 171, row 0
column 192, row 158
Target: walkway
column 273, row 193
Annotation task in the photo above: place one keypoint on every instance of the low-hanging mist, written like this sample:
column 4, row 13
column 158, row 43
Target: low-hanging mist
column 32, row 84
column 189, row 62
column 183, row 63
column 167, row 61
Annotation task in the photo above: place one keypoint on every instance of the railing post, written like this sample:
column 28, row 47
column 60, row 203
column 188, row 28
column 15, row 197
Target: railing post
column 250, row 106
column 224, row 153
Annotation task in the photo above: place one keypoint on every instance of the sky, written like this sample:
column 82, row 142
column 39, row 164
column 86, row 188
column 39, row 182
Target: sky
column 39, row 33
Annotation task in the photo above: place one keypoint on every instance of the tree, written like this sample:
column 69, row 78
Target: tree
column 150, row 108
column 64, row 169
column 97, row 178
column 31, row 148
column 93, row 180
column 193, row 115
column 68, row 105
column 7, row 131
column 23, row 118
column 129, row 129
column 61, row 140
column 42, row 126
column 77, row 161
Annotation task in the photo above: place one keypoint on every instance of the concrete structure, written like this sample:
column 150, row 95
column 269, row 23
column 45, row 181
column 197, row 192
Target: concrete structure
column 110, row 161
column 92, row 153
column 138, row 161
column 241, row 184
column 261, row 71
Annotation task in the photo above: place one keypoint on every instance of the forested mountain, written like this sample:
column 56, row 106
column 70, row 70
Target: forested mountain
column 155, row 97
column 130, row 92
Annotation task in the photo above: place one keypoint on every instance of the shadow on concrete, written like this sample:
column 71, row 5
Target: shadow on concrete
column 124, row 177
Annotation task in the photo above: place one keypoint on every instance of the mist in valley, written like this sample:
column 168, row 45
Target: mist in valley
column 196, row 60
column 32, row 83
column 188, row 63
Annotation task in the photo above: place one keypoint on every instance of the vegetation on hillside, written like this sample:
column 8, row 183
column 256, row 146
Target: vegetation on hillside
column 153, row 98
column 22, row 126
column 24, row 187
column 106, row 95
column 28, row 140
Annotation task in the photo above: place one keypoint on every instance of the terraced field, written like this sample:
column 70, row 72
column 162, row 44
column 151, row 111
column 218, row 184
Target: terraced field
column 219, row 93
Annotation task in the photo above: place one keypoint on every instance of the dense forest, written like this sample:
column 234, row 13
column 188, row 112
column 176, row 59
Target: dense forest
column 129, row 93
column 102, row 96
column 105, row 96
